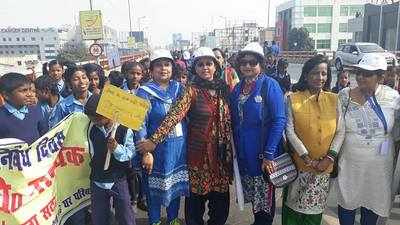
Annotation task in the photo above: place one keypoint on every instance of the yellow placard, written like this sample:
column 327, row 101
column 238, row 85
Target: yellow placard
column 91, row 24
column 123, row 107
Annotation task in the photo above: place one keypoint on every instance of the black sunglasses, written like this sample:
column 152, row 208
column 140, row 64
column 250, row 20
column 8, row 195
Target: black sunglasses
column 365, row 73
column 252, row 62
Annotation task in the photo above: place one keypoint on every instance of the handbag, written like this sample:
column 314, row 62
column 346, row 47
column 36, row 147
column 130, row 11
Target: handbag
column 285, row 169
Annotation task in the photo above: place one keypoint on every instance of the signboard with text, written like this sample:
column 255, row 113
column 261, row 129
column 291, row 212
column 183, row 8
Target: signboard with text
column 125, row 108
column 91, row 24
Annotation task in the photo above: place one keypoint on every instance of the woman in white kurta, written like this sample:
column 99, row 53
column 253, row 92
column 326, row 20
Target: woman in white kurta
column 364, row 142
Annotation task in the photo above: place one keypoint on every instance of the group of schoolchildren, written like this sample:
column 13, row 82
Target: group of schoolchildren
column 29, row 108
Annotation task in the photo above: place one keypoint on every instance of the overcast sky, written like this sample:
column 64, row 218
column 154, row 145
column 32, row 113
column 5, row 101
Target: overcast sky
column 163, row 17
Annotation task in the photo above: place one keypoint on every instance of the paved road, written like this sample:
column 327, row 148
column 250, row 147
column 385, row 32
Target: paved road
column 237, row 217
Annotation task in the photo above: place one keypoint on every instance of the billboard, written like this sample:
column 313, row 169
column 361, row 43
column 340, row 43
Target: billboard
column 112, row 56
column 91, row 24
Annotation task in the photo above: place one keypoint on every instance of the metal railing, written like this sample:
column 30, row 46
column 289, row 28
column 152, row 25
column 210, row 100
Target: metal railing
column 300, row 57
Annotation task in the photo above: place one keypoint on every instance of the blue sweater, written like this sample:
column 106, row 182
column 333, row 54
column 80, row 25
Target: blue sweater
column 248, row 128
column 31, row 128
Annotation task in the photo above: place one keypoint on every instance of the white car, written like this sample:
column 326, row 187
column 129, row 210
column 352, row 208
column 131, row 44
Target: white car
column 351, row 53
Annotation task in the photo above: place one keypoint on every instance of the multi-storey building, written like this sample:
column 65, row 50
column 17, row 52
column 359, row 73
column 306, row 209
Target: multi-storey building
column 236, row 37
column 325, row 20
column 15, row 42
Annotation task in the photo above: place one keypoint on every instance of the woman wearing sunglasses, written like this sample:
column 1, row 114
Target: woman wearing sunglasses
column 365, row 144
column 258, row 118
column 205, row 104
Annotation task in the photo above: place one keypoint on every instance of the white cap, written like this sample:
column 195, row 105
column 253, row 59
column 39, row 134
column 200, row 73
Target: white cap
column 202, row 52
column 255, row 48
column 372, row 62
column 161, row 53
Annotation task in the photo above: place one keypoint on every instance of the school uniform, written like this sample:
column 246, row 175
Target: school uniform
column 47, row 110
column 63, row 89
column 26, row 123
column 126, row 88
column 169, row 179
column 65, row 107
column 110, row 183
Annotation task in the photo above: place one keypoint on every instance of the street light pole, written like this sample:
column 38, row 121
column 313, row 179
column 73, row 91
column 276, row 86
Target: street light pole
column 380, row 25
column 269, row 8
column 130, row 17
column 398, row 23
column 95, row 41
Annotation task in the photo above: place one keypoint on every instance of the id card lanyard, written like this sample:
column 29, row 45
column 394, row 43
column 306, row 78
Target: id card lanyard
column 378, row 110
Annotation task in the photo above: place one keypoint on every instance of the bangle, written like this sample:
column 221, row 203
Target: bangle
column 330, row 158
column 153, row 140
column 332, row 154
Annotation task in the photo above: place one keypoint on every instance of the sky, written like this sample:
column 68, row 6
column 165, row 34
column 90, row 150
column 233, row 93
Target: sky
column 159, row 18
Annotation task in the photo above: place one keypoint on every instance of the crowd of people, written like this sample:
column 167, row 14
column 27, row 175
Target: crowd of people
column 207, row 110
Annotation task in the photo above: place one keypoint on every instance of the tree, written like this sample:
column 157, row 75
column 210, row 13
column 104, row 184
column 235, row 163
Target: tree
column 299, row 40
column 75, row 51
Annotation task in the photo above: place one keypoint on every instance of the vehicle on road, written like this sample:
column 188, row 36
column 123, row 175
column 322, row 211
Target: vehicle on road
column 351, row 53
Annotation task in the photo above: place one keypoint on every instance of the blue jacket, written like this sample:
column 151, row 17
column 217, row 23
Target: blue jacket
column 275, row 50
column 65, row 107
column 247, row 129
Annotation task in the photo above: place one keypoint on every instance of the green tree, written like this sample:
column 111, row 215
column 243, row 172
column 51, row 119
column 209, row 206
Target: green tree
column 75, row 51
column 300, row 40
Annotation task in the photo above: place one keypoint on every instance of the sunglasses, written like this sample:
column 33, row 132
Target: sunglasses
column 208, row 64
column 365, row 73
column 252, row 62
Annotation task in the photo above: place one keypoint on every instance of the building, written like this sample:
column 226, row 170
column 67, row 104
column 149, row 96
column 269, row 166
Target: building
column 69, row 34
column 123, row 40
column 267, row 34
column 17, row 42
column 208, row 40
column 325, row 20
column 196, row 37
column 389, row 25
column 356, row 26
column 236, row 37
column 176, row 38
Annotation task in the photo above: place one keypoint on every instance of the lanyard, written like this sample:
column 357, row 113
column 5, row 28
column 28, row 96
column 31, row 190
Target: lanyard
column 378, row 110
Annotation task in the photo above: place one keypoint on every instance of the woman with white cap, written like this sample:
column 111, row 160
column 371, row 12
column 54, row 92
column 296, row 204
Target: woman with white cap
column 364, row 142
column 168, row 179
column 258, row 120
column 205, row 103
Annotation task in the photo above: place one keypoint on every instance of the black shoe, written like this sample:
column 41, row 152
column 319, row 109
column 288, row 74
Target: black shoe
column 142, row 205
